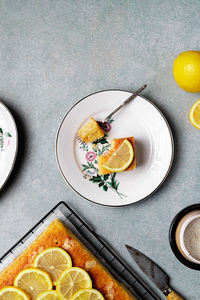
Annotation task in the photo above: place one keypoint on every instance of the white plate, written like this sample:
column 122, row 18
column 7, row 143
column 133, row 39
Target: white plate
column 8, row 144
column 153, row 142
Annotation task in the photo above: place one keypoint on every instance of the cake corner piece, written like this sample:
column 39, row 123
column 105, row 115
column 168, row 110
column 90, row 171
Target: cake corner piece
column 90, row 131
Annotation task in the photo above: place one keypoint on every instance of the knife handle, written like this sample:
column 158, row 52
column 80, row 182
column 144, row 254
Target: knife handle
column 171, row 295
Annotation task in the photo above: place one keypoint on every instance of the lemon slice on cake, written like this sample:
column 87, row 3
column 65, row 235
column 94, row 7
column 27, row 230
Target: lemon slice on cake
column 121, row 158
column 71, row 281
column 195, row 114
column 54, row 261
column 49, row 295
column 33, row 281
column 14, row 293
column 88, row 294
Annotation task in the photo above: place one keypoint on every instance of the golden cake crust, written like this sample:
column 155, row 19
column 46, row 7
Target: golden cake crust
column 90, row 131
column 115, row 143
column 57, row 235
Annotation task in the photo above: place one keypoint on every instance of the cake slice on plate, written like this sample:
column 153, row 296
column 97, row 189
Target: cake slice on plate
column 121, row 157
column 90, row 131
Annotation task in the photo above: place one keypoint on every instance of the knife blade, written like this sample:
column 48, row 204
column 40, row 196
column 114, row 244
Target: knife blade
column 154, row 272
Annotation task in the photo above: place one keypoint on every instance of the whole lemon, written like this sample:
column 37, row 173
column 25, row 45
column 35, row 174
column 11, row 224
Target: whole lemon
column 186, row 71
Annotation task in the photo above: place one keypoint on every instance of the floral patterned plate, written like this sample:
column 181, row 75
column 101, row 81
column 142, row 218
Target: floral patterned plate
column 8, row 143
column 153, row 142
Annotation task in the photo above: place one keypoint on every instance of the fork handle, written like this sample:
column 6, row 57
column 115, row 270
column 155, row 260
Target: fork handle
column 174, row 296
column 125, row 102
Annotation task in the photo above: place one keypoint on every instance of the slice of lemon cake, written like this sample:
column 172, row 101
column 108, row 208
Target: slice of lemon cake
column 121, row 157
column 90, row 131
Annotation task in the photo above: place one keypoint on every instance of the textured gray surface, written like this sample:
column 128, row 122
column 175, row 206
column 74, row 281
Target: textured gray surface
column 52, row 53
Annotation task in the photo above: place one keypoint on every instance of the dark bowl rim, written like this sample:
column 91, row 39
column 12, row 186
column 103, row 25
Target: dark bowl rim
column 172, row 240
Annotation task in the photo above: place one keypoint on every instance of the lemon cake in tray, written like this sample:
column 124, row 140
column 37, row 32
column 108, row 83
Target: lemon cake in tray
column 56, row 234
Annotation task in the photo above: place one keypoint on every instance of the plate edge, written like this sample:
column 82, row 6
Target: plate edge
column 16, row 148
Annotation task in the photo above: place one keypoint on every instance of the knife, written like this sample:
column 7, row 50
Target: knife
column 154, row 272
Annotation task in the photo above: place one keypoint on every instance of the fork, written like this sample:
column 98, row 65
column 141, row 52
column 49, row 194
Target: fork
column 105, row 125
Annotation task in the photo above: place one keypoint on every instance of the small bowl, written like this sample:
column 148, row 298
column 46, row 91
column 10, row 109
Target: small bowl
column 176, row 233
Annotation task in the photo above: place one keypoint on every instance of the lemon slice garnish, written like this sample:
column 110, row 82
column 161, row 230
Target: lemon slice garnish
column 121, row 158
column 14, row 293
column 86, row 294
column 49, row 295
column 54, row 261
column 33, row 281
column 195, row 114
column 71, row 281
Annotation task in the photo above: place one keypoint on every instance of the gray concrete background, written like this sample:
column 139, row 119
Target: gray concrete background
column 53, row 53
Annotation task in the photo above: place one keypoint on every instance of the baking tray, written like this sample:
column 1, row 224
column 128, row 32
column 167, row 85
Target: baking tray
column 100, row 249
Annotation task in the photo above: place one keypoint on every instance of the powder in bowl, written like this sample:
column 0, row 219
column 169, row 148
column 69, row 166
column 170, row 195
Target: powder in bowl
column 192, row 238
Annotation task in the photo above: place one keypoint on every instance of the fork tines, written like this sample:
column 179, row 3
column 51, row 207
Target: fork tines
column 79, row 140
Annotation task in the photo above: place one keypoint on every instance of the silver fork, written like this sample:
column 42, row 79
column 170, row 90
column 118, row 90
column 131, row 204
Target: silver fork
column 104, row 124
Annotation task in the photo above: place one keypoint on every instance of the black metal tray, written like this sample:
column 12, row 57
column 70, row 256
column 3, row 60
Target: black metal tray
column 100, row 249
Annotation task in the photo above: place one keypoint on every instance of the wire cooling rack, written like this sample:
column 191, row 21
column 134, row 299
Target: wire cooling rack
column 100, row 249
